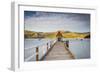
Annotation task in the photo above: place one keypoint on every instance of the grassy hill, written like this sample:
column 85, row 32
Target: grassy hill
column 66, row 34
column 75, row 35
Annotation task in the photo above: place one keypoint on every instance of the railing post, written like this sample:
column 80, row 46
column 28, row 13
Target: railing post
column 67, row 44
column 47, row 46
column 37, row 54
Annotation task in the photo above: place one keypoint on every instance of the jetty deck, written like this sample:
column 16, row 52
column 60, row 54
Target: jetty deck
column 59, row 52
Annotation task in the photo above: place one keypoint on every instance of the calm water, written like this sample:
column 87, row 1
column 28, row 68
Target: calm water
column 30, row 48
column 80, row 48
column 29, row 43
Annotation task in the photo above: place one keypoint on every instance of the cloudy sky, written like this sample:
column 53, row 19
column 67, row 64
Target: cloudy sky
column 52, row 21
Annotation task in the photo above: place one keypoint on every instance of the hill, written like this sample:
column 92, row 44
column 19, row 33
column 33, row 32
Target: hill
column 51, row 35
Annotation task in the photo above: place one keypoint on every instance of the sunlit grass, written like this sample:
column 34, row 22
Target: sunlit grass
column 51, row 35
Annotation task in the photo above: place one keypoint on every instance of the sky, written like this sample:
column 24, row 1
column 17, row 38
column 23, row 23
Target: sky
column 39, row 21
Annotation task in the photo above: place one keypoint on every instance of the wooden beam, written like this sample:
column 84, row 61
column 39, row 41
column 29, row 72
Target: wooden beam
column 37, row 55
column 47, row 47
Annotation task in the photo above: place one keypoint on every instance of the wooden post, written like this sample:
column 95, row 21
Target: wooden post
column 47, row 46
column 67, row 44
column 37, row 55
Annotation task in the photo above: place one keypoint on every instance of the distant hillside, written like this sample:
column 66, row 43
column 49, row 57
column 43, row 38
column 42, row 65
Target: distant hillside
column 31, row 34
column 66, row 34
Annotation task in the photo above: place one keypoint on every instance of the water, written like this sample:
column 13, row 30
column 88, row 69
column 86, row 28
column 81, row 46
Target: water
column 80, row 48
column 30, row 48
column 29, row 43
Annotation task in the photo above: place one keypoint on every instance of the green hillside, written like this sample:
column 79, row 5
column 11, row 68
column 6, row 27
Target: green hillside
column 66, row 34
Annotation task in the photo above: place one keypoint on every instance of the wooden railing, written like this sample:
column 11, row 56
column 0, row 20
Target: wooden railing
column 38, row 52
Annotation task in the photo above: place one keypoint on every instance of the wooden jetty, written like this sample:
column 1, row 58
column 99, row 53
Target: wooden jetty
column 59, row 52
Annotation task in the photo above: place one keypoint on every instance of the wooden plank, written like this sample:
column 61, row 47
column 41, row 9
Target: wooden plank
column 48, row 51
column 58, row 52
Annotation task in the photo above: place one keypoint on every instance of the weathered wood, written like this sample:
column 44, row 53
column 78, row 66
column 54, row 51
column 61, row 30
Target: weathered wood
column 48, row 51
column 58, row 52
column 47, row 47
column 67, row 44
column 37, row 55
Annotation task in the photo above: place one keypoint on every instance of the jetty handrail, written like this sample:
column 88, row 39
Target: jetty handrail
column 46, row 45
